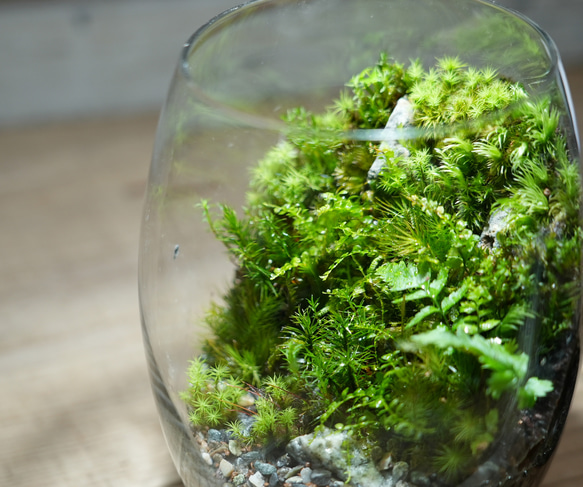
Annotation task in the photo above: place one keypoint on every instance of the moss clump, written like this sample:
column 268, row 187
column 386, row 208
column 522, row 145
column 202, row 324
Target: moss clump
column 394, row 307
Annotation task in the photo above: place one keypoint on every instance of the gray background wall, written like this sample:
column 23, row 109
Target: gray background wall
column 69, row 59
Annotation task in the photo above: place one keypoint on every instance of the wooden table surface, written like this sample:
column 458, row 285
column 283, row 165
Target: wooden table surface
column 76, row 407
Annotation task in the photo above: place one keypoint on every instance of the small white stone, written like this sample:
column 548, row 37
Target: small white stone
column 497, row 223
column 246, row 400
column 295, row 480
column 402, row 116
column 226, row 468
column 235, row 448
column 207, row 458
column 257, row 479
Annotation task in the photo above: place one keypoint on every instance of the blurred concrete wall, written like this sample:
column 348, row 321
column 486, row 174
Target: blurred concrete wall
column 64, row 59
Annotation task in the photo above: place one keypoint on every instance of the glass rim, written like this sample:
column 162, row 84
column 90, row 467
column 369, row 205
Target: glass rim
column 381, row 134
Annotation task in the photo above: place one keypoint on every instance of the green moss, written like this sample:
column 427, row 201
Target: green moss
column 390, row 306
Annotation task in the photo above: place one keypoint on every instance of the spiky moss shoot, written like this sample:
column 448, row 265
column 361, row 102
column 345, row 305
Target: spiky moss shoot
column 451, row 461
column 216, row 398
column 213, row 393
column 394, row 306
column 376, row 91
column 451, row 92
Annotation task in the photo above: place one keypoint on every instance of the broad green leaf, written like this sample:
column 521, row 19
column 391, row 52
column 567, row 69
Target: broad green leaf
column 440, row 337
column 469, row 307
column 422, row 293
column 500, row 381
column 455, row 297
column 421, row 315
column 401, row 276
column 533, row 389
column 508, row 368
column 454, row 262
column 515, row 317
column 489, row 325
column 468, row 328
column 436, row 286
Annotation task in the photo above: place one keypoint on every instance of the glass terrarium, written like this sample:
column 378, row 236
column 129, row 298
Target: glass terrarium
column 360, row 251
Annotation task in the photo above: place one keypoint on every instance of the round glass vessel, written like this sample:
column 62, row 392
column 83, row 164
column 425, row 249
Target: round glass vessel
column 360, row 248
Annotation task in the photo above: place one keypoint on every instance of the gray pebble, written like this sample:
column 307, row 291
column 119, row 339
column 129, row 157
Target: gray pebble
column 273, row 480
column 250, row 456
column 306, row 475
column 296, row 448
column 488, row 470
column 321, row 476
column 296, row 479
column 402, row 483
column 283, row 461
column 265, row 468
column 420, row 479
column 400, row 471
column 215, row 435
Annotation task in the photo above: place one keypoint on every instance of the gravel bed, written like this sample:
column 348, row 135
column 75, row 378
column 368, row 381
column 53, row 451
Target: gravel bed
column 314, row 460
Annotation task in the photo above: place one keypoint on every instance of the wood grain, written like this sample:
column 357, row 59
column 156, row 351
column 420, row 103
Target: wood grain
column 76, row 407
